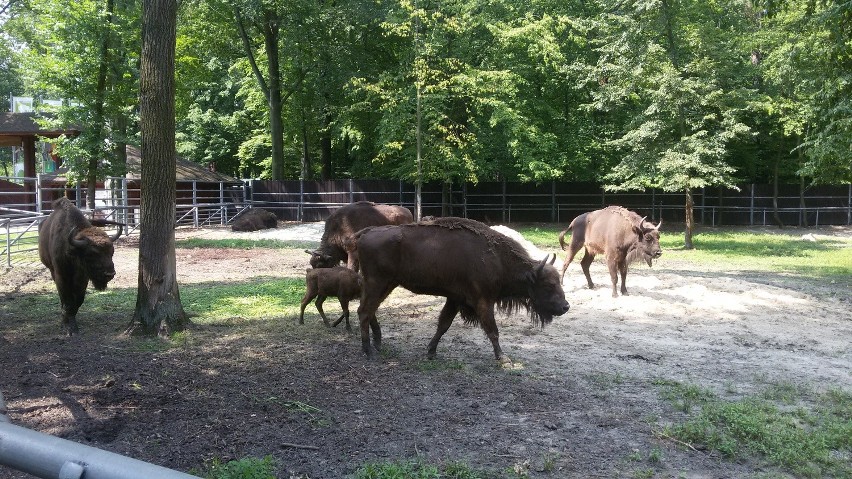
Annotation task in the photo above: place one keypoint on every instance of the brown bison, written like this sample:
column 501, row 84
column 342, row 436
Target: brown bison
column 620, row 234
column 473, row 266
column 255, row 219
column 346, row 221
column 75, row 252
column 339, row 282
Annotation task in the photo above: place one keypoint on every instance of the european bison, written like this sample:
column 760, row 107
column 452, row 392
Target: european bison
column 348, row 220
column 339, row 282
column 473, row 266
column 255, row 219
column 620, row 234
column 75, row 252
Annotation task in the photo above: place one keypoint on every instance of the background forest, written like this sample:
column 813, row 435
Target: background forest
column 671, row 94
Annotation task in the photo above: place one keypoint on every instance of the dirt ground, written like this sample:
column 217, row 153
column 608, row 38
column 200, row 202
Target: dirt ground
column 580, row 399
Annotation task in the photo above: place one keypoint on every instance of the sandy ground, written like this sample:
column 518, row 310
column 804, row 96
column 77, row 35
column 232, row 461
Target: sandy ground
column 579, row 400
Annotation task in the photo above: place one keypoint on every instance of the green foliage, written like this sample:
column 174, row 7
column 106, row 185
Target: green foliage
column 246, row 468
column 807, row 440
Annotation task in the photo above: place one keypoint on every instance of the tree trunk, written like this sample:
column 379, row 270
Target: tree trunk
column 687, row 235
column 158, row 306
column 325, row 145
column 803, row 215
column 307, row 169
column 98, row 112
column 276, row 104
column 446, row 197
column 776, row 216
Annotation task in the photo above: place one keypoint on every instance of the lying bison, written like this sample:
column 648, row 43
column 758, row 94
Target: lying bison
column 75, row 252
column 620, row 234
column 346, row 221
column 255, row 219
column 473, row 266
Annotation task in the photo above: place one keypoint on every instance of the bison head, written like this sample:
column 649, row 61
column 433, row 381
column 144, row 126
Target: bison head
column 647, row 246
column 321, row 260
column 94, row 250
column 547, row 297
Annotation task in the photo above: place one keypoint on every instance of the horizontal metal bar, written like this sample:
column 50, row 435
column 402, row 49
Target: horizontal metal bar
column 50, row 457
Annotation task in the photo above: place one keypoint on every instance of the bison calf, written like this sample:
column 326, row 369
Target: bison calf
column 339, row 282
column 620, row 234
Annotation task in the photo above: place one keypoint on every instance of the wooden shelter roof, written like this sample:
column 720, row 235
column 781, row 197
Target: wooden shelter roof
column 15, row 127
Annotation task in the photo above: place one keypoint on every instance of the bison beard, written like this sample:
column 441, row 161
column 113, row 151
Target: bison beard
column 473, row 266
column 622, row 235
column 75, row 252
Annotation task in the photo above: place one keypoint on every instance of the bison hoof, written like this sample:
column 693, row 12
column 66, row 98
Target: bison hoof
column 505, row 361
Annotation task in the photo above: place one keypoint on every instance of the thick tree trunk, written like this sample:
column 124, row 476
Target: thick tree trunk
column 307, row 168
column 100, row 100
column 325, row 146
column 690, row 224
column 158, row 307
column 803, row 215
column 276, row 104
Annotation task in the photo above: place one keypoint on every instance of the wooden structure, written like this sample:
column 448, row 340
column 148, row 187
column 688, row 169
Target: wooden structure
column 22, row 130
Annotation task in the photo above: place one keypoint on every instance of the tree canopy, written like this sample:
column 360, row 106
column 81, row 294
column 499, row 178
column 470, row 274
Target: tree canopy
column 673, row 94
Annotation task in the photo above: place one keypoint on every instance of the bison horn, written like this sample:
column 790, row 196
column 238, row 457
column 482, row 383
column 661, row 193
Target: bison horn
column 659, row 224
column 552, row 260
column 77, row 243
column 115, row 237
column 312, row 253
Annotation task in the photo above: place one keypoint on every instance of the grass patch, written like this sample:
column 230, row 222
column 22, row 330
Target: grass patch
column 239, row 243
column 218, row 303
column 805, row 436
column 427, row 365
column 246, row 468
column 416, row 469
column 825, row 258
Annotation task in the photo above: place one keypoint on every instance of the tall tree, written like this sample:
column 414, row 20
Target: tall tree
column 158, row 306
column 667, row 62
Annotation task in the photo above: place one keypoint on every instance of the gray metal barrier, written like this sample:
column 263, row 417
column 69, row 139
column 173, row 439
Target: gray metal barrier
column 50, row 457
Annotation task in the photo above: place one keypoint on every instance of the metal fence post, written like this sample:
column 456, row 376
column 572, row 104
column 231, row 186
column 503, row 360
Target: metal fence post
column 222, row 207
column 553, row 206
column 38, row 192
column 849, row 206
column 351, row 191
column 300, row 211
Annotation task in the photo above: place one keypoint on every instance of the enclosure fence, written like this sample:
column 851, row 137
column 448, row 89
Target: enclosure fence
column 25, row 202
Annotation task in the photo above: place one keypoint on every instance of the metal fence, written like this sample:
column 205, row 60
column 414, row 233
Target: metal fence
column 26, row 202
column 506, row 202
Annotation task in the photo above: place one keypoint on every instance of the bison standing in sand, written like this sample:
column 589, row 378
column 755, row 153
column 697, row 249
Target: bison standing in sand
column 348, row 220
column 473, row 266
column 620, row 234
column 75, row 252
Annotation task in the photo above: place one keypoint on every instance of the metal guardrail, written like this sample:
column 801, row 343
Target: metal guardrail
column 50, row 457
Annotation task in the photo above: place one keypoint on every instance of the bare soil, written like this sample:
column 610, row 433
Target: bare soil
column 580, row 399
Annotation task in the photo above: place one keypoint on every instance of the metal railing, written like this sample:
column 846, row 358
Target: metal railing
column 50, row 457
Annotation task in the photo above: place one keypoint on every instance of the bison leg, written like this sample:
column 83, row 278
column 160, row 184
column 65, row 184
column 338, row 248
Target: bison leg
column 622, row 269
column 613, row 265
column 585, row 263
column 572, row 251
column 374, row 292
column 71, row 296
column 485, row 311
column 320, row 300
column 345, row 306
column 305, row 300
column 445, row 319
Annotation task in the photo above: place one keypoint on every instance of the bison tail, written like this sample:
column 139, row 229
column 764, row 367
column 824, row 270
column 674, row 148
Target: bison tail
column 562, row 239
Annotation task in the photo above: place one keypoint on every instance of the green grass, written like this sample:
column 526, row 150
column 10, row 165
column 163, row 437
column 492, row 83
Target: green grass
column 214, row 303
column 415, row 469
column 776, row 252
column 806, row 434
column 246, row 468
column 238, row 243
